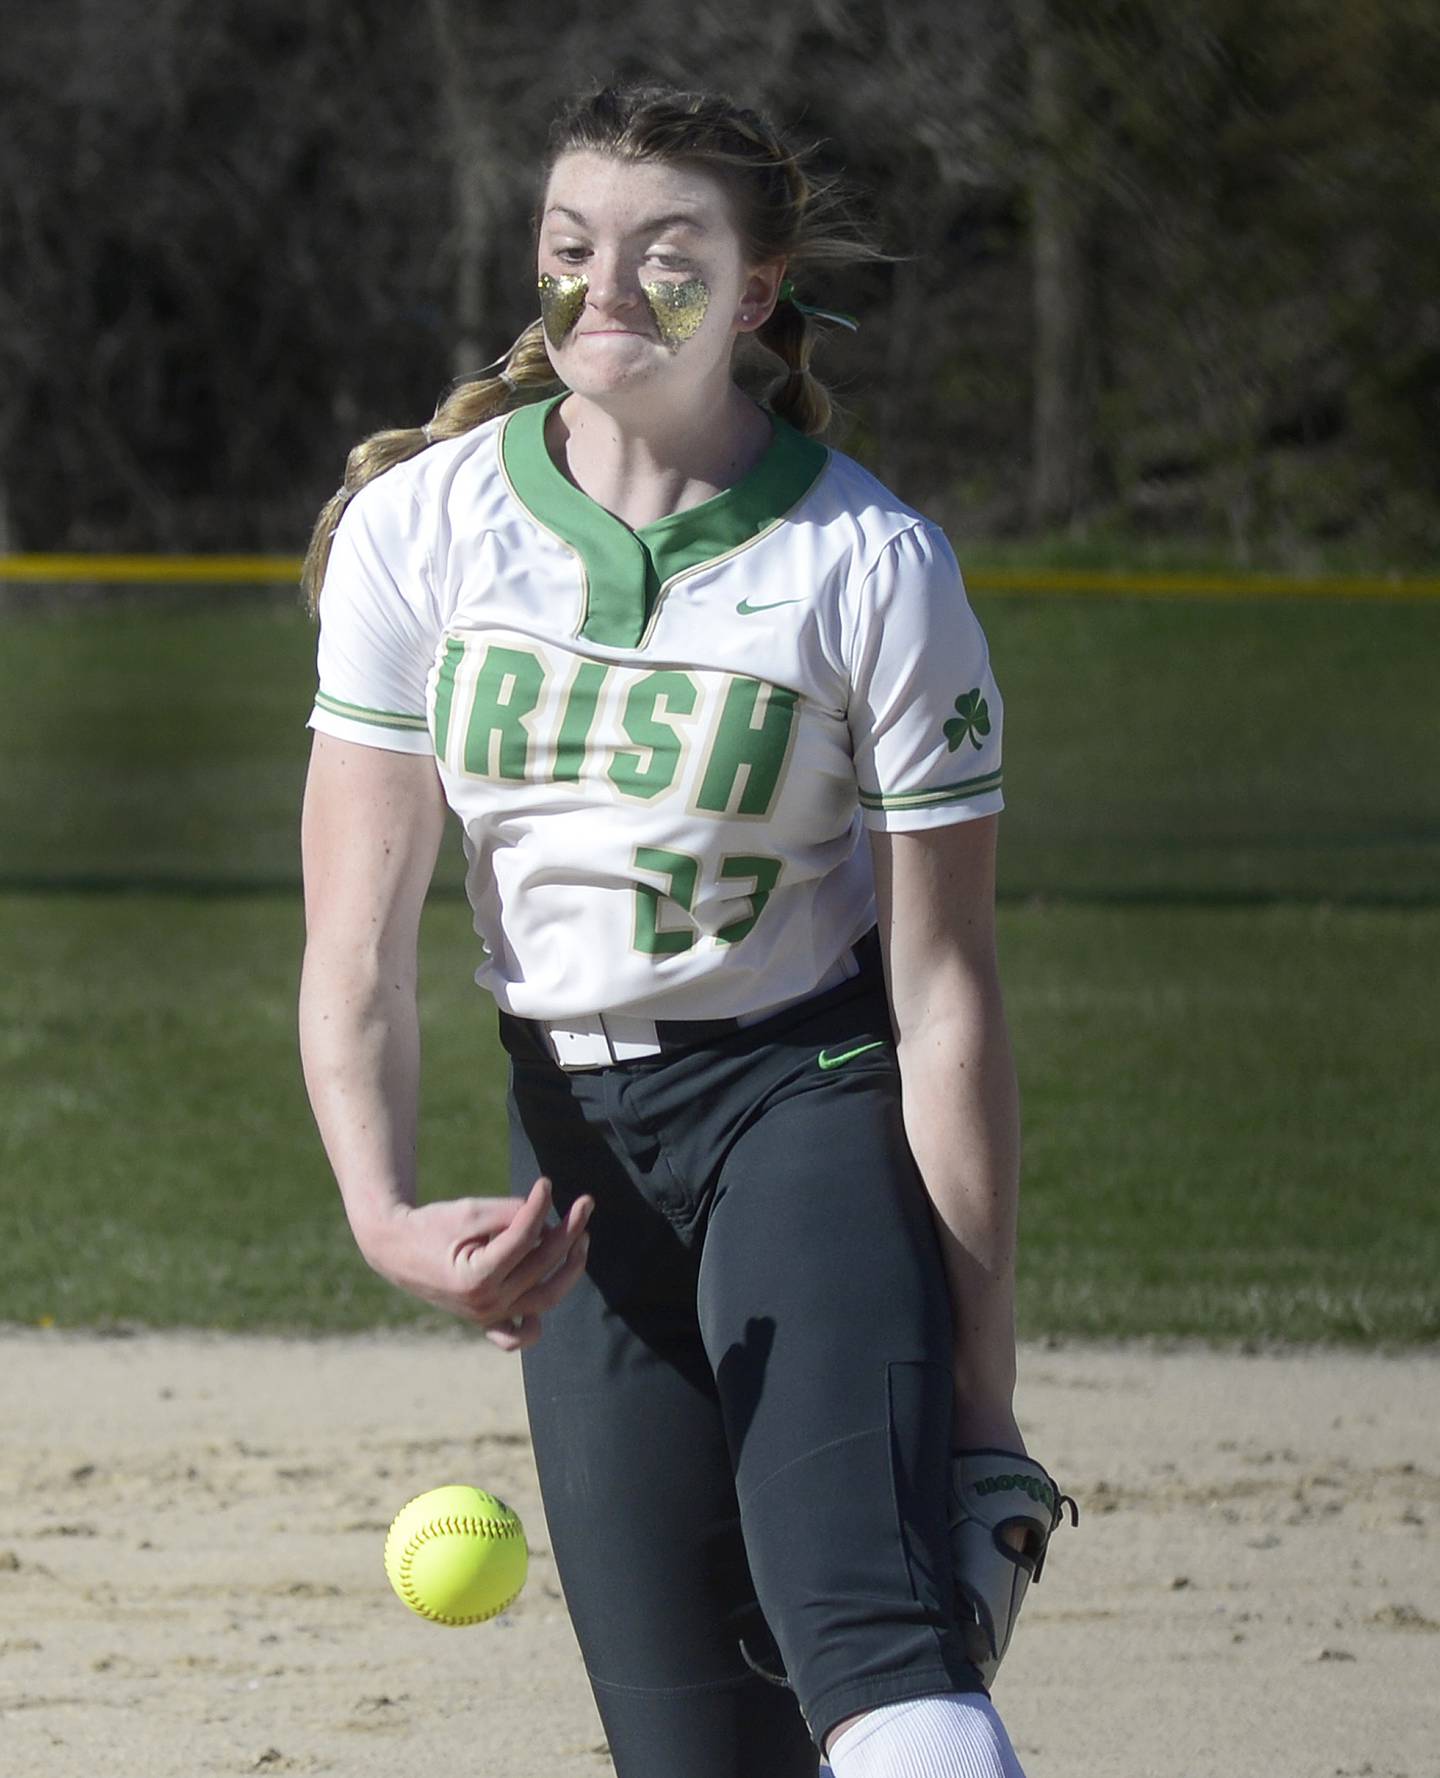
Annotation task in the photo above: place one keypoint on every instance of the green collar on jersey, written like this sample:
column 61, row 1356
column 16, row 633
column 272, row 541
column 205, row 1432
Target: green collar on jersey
column 626, row 571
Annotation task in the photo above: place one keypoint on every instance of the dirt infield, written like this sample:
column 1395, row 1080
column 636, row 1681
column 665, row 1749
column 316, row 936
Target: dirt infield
column 191, row 1584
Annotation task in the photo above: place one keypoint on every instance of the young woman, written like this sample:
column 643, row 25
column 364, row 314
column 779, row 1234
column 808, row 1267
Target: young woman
column 722, row 735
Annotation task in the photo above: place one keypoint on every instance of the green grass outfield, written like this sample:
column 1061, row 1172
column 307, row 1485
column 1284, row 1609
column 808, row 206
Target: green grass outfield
column 1182, row 748
column 1213, row 1148
column 1221, row 864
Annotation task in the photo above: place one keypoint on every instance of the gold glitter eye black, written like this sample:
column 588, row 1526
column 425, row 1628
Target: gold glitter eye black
column 678, row 309
column 561, row 300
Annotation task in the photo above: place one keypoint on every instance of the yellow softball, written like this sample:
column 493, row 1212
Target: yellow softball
column 456, row 1555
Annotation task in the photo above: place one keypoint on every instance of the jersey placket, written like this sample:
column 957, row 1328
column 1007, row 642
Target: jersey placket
column 626, row 573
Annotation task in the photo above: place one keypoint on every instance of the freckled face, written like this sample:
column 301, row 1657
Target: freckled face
column 642, row 277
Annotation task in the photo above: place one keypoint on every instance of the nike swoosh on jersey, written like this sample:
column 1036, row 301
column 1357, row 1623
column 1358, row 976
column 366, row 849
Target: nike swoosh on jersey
column 746, row 609
column 826, row 1060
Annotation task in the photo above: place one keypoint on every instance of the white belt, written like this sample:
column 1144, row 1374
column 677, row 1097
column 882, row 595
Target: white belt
column 598, row 1039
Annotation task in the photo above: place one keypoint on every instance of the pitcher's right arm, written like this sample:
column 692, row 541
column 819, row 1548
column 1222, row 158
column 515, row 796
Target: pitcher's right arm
column 370, row 833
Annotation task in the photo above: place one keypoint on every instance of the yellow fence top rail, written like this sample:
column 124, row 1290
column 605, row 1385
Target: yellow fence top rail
column 1114, row 583
column 1105, row 583
column 154, row 570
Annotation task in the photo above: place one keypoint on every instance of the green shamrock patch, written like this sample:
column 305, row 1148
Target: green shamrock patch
column 971, row 721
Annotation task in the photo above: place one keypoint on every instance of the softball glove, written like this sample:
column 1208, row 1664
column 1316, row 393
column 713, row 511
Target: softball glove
column 991, row 1492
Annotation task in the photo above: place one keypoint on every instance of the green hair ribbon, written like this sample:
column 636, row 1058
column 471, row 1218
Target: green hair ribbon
column 787, row 295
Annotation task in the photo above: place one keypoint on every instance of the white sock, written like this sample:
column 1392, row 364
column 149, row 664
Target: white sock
column 955, row 1736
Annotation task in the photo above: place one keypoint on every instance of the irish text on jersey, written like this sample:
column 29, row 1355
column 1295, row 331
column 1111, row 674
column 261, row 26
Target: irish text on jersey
column 510, row 711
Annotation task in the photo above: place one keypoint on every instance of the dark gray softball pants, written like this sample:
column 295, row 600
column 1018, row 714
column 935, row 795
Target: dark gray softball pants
column 741, row 1413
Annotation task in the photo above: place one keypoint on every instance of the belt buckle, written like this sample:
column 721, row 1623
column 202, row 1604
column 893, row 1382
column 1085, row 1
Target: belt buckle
column 598, row 1041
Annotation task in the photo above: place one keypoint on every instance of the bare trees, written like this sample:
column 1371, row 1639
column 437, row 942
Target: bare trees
column 1167, row 265
column 1063, row 250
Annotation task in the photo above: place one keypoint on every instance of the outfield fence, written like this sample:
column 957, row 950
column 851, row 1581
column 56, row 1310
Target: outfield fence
column 1177, row 738
column 241, row 570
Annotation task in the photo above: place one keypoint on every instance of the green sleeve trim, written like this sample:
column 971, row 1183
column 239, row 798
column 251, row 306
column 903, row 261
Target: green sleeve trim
column 962, row 792
column 376, row 718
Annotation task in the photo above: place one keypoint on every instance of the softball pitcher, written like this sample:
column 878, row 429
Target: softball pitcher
column 721, row 733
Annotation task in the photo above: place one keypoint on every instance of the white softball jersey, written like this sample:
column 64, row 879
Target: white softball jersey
column 663, row 745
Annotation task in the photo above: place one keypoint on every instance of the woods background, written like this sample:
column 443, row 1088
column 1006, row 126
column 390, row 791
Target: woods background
column 1168, row 271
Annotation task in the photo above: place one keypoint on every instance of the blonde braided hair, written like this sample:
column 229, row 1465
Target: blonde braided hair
column 468, row 404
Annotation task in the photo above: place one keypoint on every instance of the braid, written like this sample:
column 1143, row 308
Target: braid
column 801, row 398
column 468, row 404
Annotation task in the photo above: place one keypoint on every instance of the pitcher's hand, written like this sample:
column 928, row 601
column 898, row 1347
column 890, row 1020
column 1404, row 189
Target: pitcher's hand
column 491, row 1261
